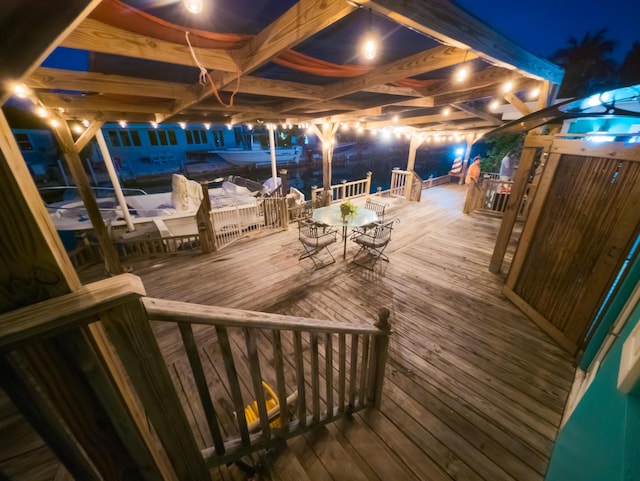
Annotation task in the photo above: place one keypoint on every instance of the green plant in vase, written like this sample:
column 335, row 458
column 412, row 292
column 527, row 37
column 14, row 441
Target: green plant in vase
column 347, row 209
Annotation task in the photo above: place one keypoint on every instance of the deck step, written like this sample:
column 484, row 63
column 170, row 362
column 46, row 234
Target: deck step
column 348, row 450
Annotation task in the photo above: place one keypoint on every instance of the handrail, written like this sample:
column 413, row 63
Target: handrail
column 177, row 311
column 328, row 369
column 37, row 321
column 345, row 190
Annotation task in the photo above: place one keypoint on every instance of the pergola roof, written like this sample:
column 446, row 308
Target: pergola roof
column 289, row 61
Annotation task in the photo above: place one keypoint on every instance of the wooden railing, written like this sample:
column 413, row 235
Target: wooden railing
column 399, row 181
column 344, row 190
column 493, row 196
column 320, row 370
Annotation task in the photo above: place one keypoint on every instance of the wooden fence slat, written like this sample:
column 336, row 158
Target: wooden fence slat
column 302, row 406
column 315, row 378
column 234, row 385
column 201, row 385
column 342, row 361
column 256, row 378
column 354, row 371
column 278, row 364
column 328, row 359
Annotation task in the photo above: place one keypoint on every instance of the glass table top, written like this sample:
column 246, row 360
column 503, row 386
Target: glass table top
column 330, row 215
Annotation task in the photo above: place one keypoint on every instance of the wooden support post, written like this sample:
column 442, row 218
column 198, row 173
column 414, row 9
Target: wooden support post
column 511, row 212
column 37, row 268
column 65, row 139
column 128, row 328
column 368, row 184
column 203, row 219
column 379, row 355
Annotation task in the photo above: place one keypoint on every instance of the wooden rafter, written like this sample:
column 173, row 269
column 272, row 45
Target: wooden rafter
column 99, row 37
column 284, row 33
column 445, row 21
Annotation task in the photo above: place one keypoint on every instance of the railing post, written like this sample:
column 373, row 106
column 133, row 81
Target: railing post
column 344, row 189
column 203, row 218
column 313, row 195
column 408, row 184
column 367, row 189
column 284, row 186
column 378, row 359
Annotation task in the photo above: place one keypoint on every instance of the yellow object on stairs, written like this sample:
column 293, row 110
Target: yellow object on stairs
column 251, row 412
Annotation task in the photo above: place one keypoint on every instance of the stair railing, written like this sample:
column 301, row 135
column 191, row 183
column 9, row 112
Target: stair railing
column 321, row 370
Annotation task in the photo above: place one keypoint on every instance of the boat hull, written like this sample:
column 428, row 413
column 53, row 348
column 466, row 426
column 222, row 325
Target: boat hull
column 261, row 157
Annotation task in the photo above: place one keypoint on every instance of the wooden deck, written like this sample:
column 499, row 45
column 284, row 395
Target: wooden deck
column 473, row 390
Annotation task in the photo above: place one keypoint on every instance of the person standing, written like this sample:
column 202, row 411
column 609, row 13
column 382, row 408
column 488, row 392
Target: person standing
column 472, row 179
column 473, row 173
column 506, row 167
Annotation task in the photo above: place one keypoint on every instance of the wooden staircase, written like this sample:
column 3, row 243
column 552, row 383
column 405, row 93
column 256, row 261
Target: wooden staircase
column 349, row 449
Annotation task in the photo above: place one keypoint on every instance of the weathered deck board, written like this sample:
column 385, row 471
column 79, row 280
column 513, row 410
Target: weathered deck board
column 474, row 389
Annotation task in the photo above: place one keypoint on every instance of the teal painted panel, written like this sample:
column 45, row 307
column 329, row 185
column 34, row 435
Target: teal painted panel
column 601, row 440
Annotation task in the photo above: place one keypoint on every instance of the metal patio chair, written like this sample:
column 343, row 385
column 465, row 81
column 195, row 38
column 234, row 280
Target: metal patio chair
column 377, row 207
column 316, row 238
column 372, row 241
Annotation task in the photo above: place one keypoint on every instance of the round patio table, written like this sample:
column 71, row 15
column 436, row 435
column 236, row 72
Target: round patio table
column 330, row 215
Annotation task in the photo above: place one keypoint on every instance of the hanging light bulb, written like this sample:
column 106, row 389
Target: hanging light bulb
column 370, row 45
column 193, row 6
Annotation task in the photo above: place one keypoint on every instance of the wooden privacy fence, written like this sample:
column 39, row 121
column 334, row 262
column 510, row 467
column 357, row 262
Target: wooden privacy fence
column 329, row 368
column 345, row 190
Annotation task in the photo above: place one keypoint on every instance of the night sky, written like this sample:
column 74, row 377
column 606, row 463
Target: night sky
column 544, row 27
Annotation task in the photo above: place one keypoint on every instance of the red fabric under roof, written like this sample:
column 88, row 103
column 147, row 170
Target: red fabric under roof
column 121, row 15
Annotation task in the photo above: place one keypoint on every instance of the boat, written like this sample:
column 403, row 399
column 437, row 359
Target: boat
column 165, row 214
column 260, row 157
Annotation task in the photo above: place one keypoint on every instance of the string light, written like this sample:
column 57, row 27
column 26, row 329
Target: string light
column 507, row 87
column 446, row 111
column 193, row 6
column 494, row 105
column 122, row 124
column 463, row 72
column 207, row 125
column 42, row 112
column 77, row 128
column 154, row 125
column 86, row 123
column 182, row 125
column 21, row 91
column 534, row 93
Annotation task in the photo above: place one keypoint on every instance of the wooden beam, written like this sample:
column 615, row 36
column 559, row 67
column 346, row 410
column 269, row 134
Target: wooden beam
column 423, row 119
column 428, row 61
column 448, row 23
column 57, row 79
column 35, row 44
column 277, row 88
column 65, row 139
column 480, row 93
column 484, row 78
column 477, row 113
column 87, row 135
column 517, row 103
column 304, row 19
column 392, row 90
column 70, row 103
column 96, row 36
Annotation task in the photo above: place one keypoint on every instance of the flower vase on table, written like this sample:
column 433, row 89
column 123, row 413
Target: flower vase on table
column 347, row 209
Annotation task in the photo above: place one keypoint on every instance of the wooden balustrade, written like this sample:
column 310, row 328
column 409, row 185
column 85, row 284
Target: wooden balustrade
column 321, row 370
column 345, row 190
column 493, row 196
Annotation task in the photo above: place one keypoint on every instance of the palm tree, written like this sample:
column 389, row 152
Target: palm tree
column 588, row 65
column 630, row 67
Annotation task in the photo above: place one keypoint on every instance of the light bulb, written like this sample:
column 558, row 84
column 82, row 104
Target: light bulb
column 370, row 49
column 508, row 86
column 182, row 125
column 193, row 6
column 462, row 74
